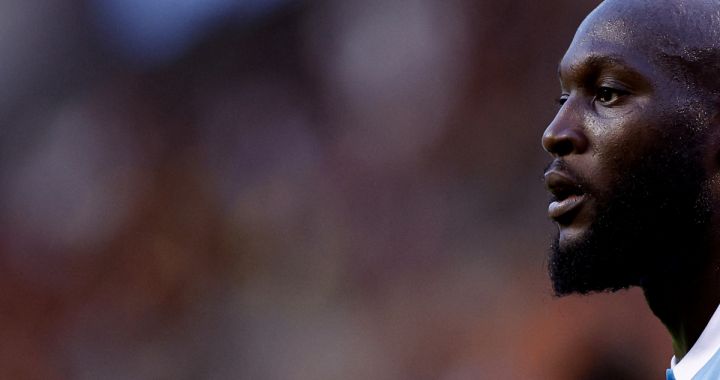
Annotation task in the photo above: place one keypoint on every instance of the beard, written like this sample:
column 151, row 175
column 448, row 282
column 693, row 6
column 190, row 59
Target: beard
column 652, row 226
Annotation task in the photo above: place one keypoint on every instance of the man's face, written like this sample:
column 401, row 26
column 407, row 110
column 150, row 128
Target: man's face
column 628, row 172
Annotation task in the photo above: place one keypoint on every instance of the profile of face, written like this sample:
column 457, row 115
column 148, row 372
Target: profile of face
column 629, row 175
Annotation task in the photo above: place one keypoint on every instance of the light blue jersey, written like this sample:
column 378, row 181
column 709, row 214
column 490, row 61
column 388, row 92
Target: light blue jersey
column 702, row 362
column 711, row 369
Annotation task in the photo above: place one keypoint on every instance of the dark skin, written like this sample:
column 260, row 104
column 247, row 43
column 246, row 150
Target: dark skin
column 630, row 63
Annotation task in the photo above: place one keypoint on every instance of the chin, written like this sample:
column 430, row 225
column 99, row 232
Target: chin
column 570, row 236
column 573, row 235
column 581, row 263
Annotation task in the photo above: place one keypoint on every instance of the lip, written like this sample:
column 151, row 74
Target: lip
column 560, row 210
column 568, row 196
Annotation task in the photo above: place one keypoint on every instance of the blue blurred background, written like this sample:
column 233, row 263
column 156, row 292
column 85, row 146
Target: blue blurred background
column 289, row 189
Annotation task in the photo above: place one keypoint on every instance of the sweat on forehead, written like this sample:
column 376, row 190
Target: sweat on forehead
column 680, row 37
column 656, row 24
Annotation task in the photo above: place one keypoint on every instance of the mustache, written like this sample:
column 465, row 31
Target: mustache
column 562, row 166
column 559, row 165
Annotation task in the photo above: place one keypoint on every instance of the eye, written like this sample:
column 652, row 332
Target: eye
column 608, row 95
column 562, row 99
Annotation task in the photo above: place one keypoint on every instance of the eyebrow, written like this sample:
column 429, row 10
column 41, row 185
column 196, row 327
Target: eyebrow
column 596, row 62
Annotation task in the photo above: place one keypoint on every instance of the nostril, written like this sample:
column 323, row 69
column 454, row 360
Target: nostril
column 562, row 147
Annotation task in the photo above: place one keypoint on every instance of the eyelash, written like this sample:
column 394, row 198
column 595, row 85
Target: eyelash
column 562, row 99
column 614, row 93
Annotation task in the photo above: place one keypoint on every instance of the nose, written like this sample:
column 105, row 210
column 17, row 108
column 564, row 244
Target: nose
column 565, row 135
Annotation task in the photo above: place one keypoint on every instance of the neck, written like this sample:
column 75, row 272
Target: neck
column 685, row 308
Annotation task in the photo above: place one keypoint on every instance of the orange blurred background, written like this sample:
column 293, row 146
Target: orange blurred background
column 287, row 189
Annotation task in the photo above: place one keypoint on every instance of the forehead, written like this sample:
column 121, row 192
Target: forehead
column 596, row 56
column 611, row 39
column 646, row 34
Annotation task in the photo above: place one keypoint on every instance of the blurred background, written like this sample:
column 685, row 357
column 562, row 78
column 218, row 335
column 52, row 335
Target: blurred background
column 289, row 189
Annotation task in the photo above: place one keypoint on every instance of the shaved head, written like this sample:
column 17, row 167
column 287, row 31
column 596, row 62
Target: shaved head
column 681, row 37
column 671, row 23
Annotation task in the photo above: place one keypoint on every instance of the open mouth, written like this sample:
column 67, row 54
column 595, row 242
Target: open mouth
column 567, row 197
column 563, row 211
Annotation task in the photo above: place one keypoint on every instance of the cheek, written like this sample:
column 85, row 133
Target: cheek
column 625, row 131
column 625, row 140
column 617, row 152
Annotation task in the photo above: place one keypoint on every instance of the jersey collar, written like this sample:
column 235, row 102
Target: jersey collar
column 701, row 352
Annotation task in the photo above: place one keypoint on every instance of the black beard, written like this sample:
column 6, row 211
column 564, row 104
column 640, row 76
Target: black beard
column 653, row 226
